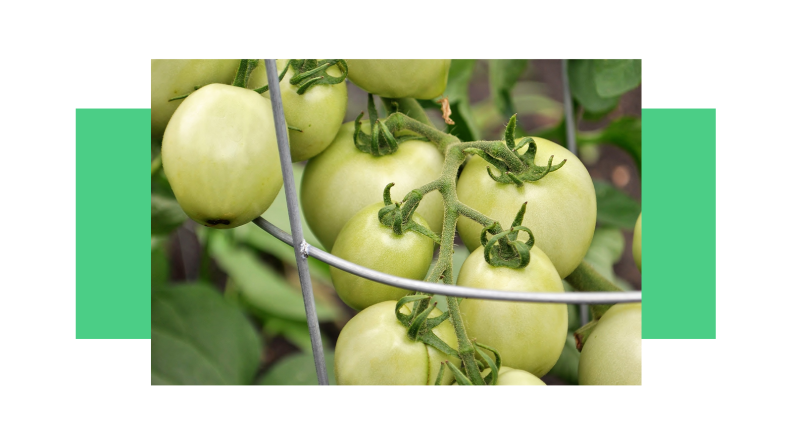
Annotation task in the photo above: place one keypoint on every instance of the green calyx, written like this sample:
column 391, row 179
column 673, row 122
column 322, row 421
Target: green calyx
column 398, row 216
column 310, row 72
column 503, row 249
column 420, row 325
column 514, row 168
column 382, row 140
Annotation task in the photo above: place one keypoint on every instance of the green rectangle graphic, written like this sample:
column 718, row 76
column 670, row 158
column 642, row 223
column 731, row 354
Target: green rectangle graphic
column 113, row 208
column 679, row 229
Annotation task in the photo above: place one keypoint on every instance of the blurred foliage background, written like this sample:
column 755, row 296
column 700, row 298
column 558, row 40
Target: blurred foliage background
column 226, row 304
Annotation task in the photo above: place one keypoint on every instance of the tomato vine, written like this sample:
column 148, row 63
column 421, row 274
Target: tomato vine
column 513, row 168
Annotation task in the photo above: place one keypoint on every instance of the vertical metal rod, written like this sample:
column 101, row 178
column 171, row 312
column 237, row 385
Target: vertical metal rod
column 294, row 220
column 569, row 113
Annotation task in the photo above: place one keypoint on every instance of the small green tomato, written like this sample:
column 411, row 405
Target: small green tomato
column 373, row 349
column 367, row 242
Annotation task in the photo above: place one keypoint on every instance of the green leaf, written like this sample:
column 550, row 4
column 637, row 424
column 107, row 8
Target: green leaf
column 262, row 288
column 584, row 89
column 605, row 250
column 573, row 311
column 166, row 215
column 625, row 132
column 199, row 338
column 614, row 77
column 298, row 370
column 503, row 76
column 160, row 269
column 566, row 367
column 256, row 237
column 295, row 332
column 459, row 75
column 278, row 212
column 614, row 207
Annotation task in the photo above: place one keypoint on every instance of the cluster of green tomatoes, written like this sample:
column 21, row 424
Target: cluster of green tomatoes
column 220, row 155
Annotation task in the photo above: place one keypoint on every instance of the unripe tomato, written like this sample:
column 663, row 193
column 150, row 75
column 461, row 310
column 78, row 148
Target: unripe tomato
column 561, row 210
column 176, row 77
column 342, row 180
column 373, row 349
column 319, row 112
column 637, row 243
column 529, row 336
column 612, row 353
column 508, row 376
column 400, row 78
column 221, row 156
column 367, row 242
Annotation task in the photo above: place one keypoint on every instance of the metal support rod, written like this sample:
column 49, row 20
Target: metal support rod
column 297, row 240
column 569, row 113
column 451, row 290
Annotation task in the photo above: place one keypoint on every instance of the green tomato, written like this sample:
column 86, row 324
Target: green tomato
column 342, row 180
column 221, row 157
column 176, row 77
column 612, row 353
column 637, row 243
column 373, row 349
column 561, row 210
column 319, row 112
column 367, row 242
column 529, row 336
column 400, row 78
column 508, row 376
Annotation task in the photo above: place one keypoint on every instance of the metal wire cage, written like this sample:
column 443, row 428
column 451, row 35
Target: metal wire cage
column 303, row 250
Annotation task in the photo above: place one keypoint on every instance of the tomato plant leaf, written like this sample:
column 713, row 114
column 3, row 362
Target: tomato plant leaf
column 584, row 89
column 278, row 212
column 262, row 288
column 295, row 332
column 166, row 215
column 614, row 77
column 625, row 133
column 197, row 337
column 614, row 207
column 457, row 91
column 160, row 269
column 503, row 76
column 298, row 370
column 606, row 248
column 566, row 367
column 256, row 237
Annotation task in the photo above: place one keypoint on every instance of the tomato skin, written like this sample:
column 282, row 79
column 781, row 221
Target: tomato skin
column 637, row 243
column 221, row 157
column 342, row 180
column 612, row 353
column 529, row 336
column 176, row 77
column 319, row 112
column 373, row 349
column 508, row 376
column 561, row 210
column 400, row 78
column 367, row 242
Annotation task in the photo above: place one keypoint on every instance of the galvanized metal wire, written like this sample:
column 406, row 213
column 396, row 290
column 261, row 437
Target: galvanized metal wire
column 569, row 116
column 294, row 220
column 450, row 290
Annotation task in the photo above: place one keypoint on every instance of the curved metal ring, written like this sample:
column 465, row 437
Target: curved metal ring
column 573, row 297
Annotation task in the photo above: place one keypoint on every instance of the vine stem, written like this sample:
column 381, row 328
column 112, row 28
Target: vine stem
column 446, row 185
